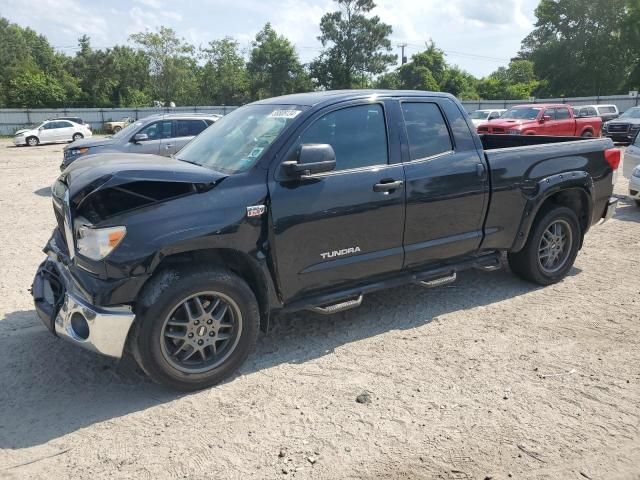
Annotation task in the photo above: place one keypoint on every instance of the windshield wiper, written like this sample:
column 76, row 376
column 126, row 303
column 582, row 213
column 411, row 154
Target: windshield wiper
column 186, row 161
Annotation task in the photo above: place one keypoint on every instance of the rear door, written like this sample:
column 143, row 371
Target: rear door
column 185, row 131
column 338, row 228
column 565, row 123
column 446, row 183
column 64, row 130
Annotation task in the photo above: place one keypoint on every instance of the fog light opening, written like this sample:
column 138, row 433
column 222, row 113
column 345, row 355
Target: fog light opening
column 80, row 326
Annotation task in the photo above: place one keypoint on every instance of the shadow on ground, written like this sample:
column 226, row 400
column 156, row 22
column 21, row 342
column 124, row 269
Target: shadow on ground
column 43, row 192
column 627, row 210
column 52, row 388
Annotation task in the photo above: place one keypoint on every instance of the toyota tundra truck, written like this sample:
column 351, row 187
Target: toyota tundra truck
column 303, row 202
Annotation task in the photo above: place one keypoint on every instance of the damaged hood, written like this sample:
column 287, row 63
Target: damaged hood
column 108, row 170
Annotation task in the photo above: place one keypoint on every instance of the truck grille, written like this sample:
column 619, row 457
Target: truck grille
column 491, row 130
column 618, row 128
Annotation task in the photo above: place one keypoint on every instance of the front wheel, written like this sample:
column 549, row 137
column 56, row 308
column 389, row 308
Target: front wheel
column 76, row 136
column 116, row 129
column 196, row 327
column 551, row 248
column 33, row 141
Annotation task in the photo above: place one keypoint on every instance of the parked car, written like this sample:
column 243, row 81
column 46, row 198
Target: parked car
column 157, row 134
column 632, row 169
column 77, row 120
column 115, row 127
column 51, row 131
column 482, row 116
column 303, row 202
column 543, row 119
column 625, row 127
column 605, row 112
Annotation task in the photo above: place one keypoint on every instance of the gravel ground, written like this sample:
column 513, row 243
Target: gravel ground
column 489, row 377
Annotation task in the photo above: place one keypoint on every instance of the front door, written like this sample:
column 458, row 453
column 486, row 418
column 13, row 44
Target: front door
column 186, row 130
column 337, row 228
column 156, row 132
column 446, row 184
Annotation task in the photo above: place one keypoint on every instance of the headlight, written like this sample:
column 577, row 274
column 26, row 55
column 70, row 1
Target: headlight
column 97, row 243
column 636, row 172
column 514, row 131
column 78, row 151
column 19, row 135
column 605, row 125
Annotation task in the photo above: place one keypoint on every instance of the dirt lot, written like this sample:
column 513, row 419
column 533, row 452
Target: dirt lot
column 489, row 377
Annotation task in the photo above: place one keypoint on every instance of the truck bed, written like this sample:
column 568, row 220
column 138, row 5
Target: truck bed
column 519, row 166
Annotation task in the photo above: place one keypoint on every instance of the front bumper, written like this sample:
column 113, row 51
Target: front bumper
column 67, row 315
column 20, row 140
column 610, row 209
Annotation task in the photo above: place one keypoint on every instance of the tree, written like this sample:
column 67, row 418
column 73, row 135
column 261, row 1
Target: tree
column 517, row 81
column 35, row 90
column 355, row 46
column 224, row 75
column 274, row 67
column 171, row 64
column 583, row 48
column 425, row 71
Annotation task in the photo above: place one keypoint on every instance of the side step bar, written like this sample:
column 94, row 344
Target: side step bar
column 339, row 301
column 438, row 282
column 338, row 307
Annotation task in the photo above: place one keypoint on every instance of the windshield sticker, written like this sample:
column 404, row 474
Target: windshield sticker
column 284, row 113
column 256, row 152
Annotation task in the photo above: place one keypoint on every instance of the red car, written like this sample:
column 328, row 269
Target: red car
column 555, row 120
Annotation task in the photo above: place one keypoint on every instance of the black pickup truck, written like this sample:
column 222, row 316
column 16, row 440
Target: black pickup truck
column 303, row 202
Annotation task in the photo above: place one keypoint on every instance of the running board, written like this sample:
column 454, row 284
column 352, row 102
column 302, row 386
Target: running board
column 338, row 307
column 491, row 267
column 438, row 282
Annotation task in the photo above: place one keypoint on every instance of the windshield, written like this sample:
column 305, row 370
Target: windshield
column 129, row 130
column 237, row 141
column 522, row 113
column 480, row 115
column 631, row 113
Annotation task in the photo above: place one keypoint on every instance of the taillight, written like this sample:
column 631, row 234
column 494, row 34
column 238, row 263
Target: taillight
column 613, row 157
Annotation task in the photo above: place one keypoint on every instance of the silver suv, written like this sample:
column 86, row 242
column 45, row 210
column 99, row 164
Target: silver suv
column 157, row 134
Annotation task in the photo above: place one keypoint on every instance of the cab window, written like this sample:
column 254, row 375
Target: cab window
column 562, row 114
column 357, row 134
column 427, row 130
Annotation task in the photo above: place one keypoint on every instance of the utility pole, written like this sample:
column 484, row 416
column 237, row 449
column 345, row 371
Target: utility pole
column 403, row 59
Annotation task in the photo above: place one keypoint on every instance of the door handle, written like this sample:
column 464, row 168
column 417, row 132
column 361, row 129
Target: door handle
column 481, row 170
column 387, row 185
column 168, row 146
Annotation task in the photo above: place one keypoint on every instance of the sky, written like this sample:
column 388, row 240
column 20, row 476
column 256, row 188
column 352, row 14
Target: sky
column 477, row 35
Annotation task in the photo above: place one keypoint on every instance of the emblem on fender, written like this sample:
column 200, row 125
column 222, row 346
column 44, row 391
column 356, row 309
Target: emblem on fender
column 340, row 253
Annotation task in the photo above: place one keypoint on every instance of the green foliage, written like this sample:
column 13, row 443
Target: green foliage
column 35, row 90
column 356, row 46
column 274, row 67
column 517, row 81
column 584, row 47
column 224, row 75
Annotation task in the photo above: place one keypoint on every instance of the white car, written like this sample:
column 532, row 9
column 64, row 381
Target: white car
column 51, row 131
column 605, row 112
column 632, row 169
column 481, row 116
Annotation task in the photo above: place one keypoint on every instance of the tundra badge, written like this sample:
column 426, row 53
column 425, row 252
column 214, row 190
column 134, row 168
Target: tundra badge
column 255, row 210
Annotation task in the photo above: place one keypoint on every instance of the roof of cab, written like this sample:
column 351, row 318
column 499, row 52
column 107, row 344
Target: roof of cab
column 332, row 96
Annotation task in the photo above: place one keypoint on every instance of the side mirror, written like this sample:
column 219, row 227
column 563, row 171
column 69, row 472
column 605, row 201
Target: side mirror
column 40, row 129
column 140, row 137
column 312, row 158
column 545, row 118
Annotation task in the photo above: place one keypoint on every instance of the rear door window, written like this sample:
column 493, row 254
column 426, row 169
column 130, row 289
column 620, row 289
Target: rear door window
column 562, row 114
column 427, row 130
column 189, row 128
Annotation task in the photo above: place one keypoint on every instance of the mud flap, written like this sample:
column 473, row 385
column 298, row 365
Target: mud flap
column 48, row 293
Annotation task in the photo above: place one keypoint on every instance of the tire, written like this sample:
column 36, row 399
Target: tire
column 533, row 262
column 76, row 136
column 587, row 134
column 166, row 338
column 116, row 129
column 32, row 141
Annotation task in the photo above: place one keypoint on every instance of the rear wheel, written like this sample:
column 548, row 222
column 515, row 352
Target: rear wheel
column 33, row 141
column 196, row 328
column 76, row 136
column 551, row 248
column 587, row 134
